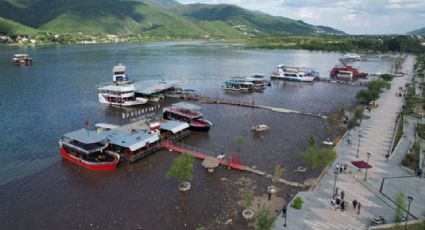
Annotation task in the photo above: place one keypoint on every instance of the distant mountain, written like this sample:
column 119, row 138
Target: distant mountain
column 9, row 27
column 417, row 32
column 167, row 4
column 152, row 17
column 250, row 21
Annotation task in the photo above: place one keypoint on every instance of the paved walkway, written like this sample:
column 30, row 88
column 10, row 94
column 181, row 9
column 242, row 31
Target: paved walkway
column 375, row 137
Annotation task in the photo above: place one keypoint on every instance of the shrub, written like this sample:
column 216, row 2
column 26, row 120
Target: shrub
column 387, row 77
column 298, row 203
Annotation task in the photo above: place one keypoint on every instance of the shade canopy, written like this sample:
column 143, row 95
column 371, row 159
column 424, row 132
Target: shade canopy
column 361, row 164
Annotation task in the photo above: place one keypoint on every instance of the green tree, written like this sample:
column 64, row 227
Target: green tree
column 330, row 123
column 182, row 168
column 265, row 219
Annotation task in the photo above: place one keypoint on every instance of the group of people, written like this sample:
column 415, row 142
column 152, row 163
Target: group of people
column 340, row 167
column 401, row 92
column 338, row 202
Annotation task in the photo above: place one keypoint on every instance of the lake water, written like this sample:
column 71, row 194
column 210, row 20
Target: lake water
column 58, row 94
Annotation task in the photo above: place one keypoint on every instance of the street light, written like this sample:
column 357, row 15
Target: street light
column 285, row 208
column 410, row 199
column 358, row 145
column 333, row 190
column 365, row 175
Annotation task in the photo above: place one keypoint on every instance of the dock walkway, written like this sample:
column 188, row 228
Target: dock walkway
column 196, row 152
column 252, row 104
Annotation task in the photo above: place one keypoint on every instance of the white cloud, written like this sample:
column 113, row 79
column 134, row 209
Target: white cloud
column 351, row 16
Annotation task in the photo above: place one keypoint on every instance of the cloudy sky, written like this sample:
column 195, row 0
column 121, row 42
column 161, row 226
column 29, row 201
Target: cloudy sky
column 351, row 16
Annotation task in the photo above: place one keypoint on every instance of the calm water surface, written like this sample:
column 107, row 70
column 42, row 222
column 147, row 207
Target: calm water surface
column 58, row 93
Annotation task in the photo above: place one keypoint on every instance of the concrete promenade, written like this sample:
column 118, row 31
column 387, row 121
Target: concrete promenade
column 374, row 136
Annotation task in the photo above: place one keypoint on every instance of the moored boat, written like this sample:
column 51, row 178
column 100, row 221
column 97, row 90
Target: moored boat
column 122, row 91
column 187, row 112
column 344, row 67
column 238, row 85
column 290, row 73
column 345, row 75
column 88, row 149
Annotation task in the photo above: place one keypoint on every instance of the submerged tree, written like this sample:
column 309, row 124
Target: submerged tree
column 278, row 172
column 182, row 170
column 311, row 141
column 239, row 140
column 265, row 219
column 318, row 157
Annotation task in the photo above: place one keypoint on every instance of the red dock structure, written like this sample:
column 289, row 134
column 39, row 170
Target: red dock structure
column 179, row 148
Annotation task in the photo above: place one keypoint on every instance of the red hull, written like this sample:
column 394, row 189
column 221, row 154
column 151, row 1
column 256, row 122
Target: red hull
column 90, row 165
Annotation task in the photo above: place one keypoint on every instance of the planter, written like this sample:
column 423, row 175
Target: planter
column 248, row 214
column 185, row 186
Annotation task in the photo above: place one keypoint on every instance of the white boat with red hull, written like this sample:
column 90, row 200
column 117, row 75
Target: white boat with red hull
column 189, row 113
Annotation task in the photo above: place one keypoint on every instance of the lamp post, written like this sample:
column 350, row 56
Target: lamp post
column 333, row 190
column 365, row 175
column 358, row 145
column 285, row 208
column 410, row 199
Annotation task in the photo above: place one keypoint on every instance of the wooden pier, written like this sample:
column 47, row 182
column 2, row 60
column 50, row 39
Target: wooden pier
column 210, row 100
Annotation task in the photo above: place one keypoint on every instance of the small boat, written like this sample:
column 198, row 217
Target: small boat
column 344, row 75
column 328, row 142
column 291, row 74
column 344, row 67
column 22, row 59
column 238, row 86
column 348, row 57
column 260, row 128
column 122, row 92
column 187, row 112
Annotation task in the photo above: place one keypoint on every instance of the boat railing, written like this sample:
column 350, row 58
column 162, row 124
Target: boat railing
column 87, row 151
column 194, row 148
column 190, row 114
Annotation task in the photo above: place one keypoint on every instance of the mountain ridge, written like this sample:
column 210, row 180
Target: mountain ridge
column 152, row 18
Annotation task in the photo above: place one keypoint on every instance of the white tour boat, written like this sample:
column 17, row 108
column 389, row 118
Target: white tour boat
column 122, row 92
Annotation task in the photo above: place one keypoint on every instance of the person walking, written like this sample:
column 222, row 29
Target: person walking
column 337, row 167
column 355, row 204
column 358, row 208
column 342, row 195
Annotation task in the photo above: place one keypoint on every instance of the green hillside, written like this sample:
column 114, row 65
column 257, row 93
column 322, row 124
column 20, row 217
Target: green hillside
column 9, row 27
column 420, row 31
column 151, row 17
column 249, row 21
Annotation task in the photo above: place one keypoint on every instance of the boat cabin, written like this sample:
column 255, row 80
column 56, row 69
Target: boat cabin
column 119, row 74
